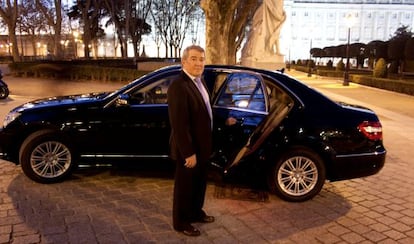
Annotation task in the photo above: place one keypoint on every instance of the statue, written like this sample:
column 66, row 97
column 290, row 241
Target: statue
column 263, row 42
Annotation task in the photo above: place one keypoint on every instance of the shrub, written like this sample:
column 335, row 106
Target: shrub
column 380, row 70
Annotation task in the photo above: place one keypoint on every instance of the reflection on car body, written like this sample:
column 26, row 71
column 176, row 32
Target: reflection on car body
column 289, row 134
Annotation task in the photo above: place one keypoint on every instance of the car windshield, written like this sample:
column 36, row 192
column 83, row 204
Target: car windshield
column 123, row 88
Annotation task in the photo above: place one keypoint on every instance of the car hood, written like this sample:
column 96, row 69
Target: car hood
column 63, row 100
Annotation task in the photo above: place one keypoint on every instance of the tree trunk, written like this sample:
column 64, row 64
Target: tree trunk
column 12, row 32
column 58, row 30
column 166, row 49
column 54, row 21
column 225, row 23
column 217, row 27
column 15, row 47
column 8, row 12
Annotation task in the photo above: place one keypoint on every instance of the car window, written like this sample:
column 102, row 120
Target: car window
column 276, row 95
column 154, row 93
column 220, row 78
column 242, row 90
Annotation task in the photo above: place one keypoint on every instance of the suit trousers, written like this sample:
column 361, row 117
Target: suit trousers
column 189, row 193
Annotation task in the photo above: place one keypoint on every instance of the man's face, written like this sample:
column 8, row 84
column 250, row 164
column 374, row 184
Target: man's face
column 194, row 64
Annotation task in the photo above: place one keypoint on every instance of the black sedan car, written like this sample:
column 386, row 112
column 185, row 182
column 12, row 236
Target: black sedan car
column 293, row 136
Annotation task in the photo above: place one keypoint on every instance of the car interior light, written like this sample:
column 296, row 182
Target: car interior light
column 242, row 104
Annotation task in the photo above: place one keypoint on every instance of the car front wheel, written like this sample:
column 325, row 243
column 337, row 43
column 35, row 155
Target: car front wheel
column 298, row 175
column 45, row 157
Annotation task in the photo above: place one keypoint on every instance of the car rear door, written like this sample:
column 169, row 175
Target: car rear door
column 258, row 106
column 241, row 97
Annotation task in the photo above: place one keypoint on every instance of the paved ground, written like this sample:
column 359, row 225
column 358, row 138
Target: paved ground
column 125, row 206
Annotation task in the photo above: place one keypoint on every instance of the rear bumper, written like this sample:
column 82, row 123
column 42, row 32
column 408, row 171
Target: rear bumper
column 357, row 165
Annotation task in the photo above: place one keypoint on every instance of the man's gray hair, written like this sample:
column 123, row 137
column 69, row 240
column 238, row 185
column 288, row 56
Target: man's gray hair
column 192, row 47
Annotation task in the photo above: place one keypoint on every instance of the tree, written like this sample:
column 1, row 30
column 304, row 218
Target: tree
column 173, row 19
column 31, row 22
column 317, row 52
column 409, row 55
column 409, row 49
column 378, row 49
column 158, row 41
column 225, row 27
column 138, row 25
column 331, row 51
column 130, row 20
column 357, row 50
column 183, row 12
column 396, row 46
column 117, row 18
column 162, row 21
column 9, row 13
column 89, row 12
column 53, row 14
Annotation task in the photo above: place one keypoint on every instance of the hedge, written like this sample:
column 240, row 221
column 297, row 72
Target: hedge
column 74, row 71
column 365, row 77
column 401, row 86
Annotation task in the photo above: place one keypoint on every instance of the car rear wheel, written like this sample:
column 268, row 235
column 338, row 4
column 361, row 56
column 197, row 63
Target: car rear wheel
column 298, row 175
column 46, row 157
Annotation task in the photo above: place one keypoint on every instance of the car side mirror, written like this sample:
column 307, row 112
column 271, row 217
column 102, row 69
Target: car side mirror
column 123, row 100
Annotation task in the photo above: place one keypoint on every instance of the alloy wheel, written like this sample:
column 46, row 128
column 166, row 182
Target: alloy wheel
column 50, row 159
column 297, row 176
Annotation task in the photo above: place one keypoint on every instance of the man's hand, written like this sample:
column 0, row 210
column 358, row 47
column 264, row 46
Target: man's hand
column 191, row 161
column 231, row 121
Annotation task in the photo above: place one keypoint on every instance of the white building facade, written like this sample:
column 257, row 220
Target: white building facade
column 323, row 23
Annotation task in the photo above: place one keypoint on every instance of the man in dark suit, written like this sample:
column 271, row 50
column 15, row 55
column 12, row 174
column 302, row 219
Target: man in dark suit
column 191, row 141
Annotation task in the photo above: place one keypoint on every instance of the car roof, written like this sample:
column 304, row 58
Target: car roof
column 302, row 92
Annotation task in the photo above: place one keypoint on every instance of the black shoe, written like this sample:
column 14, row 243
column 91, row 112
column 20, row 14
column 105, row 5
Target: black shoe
column 189, row 230
column 206, row 219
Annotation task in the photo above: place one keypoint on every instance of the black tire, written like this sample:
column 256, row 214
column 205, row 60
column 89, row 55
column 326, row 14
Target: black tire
column 298, row 175
column 4, row 92
column 45, row 157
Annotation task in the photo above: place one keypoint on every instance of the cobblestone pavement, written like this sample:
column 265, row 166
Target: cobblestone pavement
column 115, row 205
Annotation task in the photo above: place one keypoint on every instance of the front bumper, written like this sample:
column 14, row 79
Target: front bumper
column 6, row 147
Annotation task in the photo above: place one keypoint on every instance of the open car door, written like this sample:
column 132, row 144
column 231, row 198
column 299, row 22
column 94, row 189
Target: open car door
column 277, row 113
column 257, row 107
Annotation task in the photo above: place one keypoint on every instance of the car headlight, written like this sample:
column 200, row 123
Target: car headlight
column 10, row 117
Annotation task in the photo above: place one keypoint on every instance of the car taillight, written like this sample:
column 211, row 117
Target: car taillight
column 372, row 130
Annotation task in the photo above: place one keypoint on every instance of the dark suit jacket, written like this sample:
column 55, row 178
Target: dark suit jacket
column 189, row 119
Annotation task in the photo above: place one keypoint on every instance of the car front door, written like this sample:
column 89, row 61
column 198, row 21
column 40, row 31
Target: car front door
column 136, row 124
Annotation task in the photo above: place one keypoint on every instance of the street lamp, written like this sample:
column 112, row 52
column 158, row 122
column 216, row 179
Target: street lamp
column 310, row 51
column 310, row 59
column 349, row 22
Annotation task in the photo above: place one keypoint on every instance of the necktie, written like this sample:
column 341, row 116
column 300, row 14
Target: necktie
column 205, row 96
